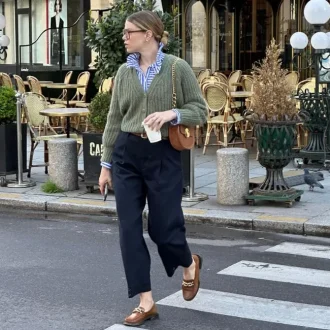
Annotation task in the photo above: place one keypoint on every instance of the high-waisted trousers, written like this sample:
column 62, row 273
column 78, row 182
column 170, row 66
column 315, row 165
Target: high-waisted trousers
column 144, row 171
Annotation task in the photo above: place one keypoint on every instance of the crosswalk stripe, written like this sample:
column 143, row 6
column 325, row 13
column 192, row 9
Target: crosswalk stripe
column 307, row 250
column 122, row 327
column 279, row 273
column 254, row 308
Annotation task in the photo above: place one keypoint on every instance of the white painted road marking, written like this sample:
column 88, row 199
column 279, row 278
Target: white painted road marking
column 307, row 250
column 254, row 308
column 122, row 327
column 279, row 273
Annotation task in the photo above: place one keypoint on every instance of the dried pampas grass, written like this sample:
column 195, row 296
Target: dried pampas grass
column 271, row 99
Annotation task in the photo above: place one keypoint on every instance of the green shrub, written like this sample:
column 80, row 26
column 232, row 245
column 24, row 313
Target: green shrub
column 105, row 36
column 99, row 108
column 51, row 188
column 7, row 105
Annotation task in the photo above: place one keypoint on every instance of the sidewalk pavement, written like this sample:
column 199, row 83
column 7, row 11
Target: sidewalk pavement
column 310, row 216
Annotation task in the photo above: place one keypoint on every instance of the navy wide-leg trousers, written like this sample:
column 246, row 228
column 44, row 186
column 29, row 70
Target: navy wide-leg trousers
column 148, row 171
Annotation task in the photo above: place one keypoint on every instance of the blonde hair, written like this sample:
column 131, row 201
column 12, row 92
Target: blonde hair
column 148, row 20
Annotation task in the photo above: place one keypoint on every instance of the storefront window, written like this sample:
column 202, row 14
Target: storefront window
column 64, row 40
column 221, row 39
column 48, row 45
column 196, row 35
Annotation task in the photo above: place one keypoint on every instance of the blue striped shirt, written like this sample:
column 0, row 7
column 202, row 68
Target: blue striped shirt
column 133, row 61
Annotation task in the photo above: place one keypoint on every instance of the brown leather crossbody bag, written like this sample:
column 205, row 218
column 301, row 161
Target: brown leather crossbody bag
column 181, row 137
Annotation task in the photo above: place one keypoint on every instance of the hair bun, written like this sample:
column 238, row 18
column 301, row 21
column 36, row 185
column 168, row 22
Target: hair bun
column 164, row 38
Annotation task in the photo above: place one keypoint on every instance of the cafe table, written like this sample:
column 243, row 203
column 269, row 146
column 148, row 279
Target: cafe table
column 65, row 112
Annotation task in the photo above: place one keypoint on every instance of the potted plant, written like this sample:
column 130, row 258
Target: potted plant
column 92, row 140
column 8, row 134
column 274, row 116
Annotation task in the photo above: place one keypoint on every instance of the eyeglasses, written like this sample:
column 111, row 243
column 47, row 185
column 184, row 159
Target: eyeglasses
column 127, row 33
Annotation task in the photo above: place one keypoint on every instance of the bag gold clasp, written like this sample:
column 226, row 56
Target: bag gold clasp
column 187, row 132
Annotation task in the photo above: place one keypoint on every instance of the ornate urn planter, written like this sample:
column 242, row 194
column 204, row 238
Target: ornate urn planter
column 275, row 141
column 314, row 109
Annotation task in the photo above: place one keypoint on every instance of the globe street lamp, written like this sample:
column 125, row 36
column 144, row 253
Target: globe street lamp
column 315, row 106
column 4, row 40
column 317, row 13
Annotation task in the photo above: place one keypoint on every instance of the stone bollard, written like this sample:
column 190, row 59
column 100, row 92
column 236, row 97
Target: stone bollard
column 63, row 163
column 232, row 176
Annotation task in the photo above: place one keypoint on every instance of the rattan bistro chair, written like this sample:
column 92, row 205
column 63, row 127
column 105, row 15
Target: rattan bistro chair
column 63, row 95
column 39, row 127
column 6, row 80
column 221, row 76
column 203, row 74
column 19, row 83
column 234, row 78
column 220, row 118
column 80, row 95
column 247, row 83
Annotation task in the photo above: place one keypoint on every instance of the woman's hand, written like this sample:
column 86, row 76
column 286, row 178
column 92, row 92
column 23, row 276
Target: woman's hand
column 157, row 119
column 105, row 179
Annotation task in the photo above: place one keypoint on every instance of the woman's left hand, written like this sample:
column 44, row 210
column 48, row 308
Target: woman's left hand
column 157, row 119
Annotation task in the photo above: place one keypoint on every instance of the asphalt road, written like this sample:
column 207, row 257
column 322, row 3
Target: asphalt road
column 68, row 275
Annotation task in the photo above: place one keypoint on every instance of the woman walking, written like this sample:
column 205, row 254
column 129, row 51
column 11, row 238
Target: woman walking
column 141, row 170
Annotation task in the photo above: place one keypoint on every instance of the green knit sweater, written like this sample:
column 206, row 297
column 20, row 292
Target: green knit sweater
column 130, row 105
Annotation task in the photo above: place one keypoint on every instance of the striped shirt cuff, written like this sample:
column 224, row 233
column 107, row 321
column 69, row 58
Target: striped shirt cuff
column 176, row 121
column 106, row 165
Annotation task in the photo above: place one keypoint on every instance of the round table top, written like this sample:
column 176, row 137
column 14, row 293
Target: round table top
column 241, row 94
column 64, row 112
column 62, row 85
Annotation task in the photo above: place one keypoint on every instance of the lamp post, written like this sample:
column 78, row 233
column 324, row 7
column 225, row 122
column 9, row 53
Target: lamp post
column 315, row 105
column 4, row 40
column 317, row 13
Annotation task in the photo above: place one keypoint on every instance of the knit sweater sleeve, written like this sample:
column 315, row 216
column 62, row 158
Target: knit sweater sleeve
column 193, row 111
column 114, row 120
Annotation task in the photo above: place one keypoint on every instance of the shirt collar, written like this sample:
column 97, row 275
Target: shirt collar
column 133, row 60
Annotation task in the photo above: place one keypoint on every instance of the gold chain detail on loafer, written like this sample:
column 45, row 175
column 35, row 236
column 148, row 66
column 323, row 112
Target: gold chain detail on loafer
column 188, row 284
column 138, row 310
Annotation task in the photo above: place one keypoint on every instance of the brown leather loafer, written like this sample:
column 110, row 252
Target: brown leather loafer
column 191, row 287
column 139, row 316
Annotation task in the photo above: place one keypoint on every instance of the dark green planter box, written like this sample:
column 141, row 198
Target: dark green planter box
column 8, row 149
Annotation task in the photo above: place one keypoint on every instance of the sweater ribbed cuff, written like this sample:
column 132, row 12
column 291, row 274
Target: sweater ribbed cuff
column 107, row 154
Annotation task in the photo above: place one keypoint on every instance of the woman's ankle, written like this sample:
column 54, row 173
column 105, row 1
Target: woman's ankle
column 146, row 300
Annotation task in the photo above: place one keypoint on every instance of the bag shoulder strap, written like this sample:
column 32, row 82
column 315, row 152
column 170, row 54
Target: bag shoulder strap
column 173, row 84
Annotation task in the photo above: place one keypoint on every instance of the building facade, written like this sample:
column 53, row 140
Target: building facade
column 232, row 34
column 218, row 34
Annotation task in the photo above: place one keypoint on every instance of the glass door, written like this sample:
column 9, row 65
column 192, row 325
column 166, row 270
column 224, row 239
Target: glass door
column 222, row 45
